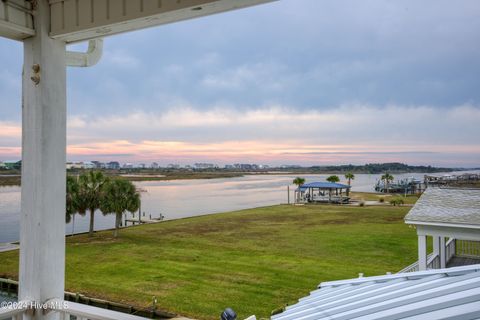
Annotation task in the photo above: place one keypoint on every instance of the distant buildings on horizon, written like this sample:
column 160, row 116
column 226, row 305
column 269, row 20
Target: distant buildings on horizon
column 115, row 165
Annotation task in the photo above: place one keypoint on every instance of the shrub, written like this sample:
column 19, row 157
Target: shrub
column 362, row 204
column 381, row 200
column 397, row 201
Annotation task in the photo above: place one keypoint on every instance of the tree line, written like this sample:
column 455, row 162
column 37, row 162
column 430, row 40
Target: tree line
column 299, row 181
column 92, row 191
column 387, row 178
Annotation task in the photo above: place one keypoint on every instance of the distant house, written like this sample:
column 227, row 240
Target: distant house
column 2, row 165
column 205, row 166
column 113, row 165
column 99, row 165
column 11, row 165
column 128, row 165
column 89, row 165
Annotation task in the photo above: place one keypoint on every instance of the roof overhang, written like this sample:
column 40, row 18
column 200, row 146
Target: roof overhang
column 442, row 224
column 460, row 232
column 16, row 19
column 74, row 21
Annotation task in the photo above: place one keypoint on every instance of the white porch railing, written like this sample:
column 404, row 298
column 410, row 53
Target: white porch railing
column 65, row 309
column 468, row 248
column 433, row 262
column 453, row 247
column 450, row 249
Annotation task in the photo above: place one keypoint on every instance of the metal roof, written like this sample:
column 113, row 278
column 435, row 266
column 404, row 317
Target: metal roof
column 447, row 205
column 452, row 293
column 324, row 185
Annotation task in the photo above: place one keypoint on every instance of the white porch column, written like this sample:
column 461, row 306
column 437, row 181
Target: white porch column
column 422, row 253
column 443, row 253
column 436, row 244
column 42, row 228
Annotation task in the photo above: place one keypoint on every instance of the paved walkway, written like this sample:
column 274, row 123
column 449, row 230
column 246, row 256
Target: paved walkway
column 8, row 247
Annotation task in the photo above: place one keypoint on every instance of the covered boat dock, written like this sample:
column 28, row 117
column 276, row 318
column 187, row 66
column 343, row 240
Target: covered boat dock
column 323, row 192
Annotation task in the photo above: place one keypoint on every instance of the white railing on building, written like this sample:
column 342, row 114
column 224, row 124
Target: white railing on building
column 450, row 249
column 467, row 248
column 453, row 247
column 433, row 262
column 65, row 309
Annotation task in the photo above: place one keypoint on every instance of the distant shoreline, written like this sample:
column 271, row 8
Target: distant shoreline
column 9, row 178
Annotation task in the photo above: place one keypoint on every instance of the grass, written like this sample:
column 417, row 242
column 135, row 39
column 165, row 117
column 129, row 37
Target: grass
column 368, row 196
column 254, row 260
column 13, row 180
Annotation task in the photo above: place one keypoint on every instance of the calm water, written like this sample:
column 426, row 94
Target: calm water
column 186, row 198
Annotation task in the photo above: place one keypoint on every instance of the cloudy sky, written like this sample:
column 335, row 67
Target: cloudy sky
column 290, row 82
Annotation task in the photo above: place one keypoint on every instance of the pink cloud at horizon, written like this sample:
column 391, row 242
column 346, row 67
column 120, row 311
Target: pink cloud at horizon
column 348, row 134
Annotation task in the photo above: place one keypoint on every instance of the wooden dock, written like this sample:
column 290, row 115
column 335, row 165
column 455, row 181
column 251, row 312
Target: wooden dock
column 144, row 220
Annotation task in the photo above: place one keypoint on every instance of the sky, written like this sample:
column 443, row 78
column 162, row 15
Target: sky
column 303, row 82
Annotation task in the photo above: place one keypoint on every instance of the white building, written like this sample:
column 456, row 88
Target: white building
column 451, row 217
column 205, row 166
column 89, row 165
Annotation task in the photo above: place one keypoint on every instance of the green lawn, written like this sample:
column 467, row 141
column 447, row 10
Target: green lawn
column 370, row 196
column 252, row 260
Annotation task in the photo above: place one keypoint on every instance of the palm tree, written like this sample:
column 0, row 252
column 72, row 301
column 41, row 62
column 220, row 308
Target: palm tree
column 387, row 177
column 333, row 179
column 119, row 196
column 90, row 194
column 299, row 181
column 350, row 176
column 73, row 200
column 72, row 193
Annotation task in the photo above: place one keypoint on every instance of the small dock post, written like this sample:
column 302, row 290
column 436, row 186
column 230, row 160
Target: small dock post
column 288, row 194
